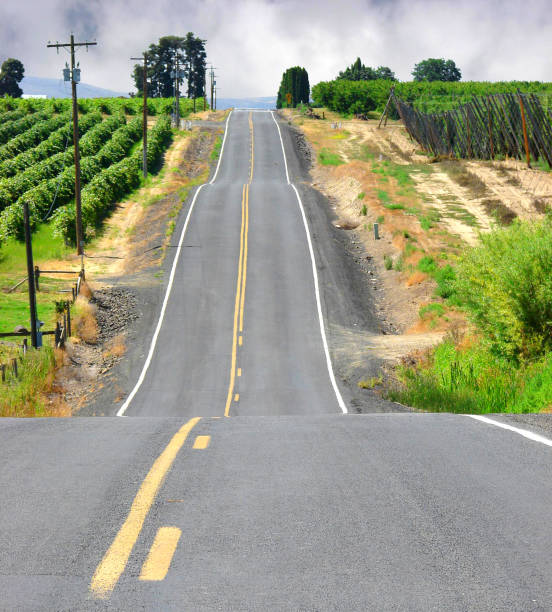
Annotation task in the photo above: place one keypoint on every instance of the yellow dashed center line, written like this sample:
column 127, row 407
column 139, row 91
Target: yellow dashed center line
column 239, row 307
column 161, row 553
column 202, row 442
column 113, row 564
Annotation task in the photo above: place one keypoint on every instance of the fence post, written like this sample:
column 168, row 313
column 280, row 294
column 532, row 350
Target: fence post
column 68, row 306
column 37, row 274
column 73, row 293
column 525, row 138
column 14, row 366
column 490, row 128
column 24, row 346
column 3, row 368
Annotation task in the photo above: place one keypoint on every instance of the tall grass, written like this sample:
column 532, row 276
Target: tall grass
column 505, row 286
column 24, row 396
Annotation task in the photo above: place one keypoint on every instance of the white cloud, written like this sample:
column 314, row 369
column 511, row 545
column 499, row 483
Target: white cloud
column 252, row 42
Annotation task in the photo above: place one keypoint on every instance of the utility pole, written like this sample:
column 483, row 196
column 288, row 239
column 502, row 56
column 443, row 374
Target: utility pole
column 30, row 274
column 144, row 115
column 205, row 90
column 213, row 83
column 177, row 74
column 74, row 77
column 215, row 108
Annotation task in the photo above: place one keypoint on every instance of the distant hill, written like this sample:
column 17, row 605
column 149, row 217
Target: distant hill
column 57, row 88
column 266, row 102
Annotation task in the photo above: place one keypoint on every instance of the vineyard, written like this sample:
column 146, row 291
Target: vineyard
column 362, row 97
column 491, row 127
column 37, row 156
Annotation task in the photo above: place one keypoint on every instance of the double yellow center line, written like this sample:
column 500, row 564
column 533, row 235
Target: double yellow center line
column 237, row 338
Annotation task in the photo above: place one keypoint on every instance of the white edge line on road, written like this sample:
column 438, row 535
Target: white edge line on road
column 316, row 287
column 522, row 432
column 138, row 384
column 221, row 149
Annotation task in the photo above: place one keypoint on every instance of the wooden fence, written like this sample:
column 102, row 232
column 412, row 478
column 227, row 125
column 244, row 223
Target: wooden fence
column 61, row 332
column 501, row 125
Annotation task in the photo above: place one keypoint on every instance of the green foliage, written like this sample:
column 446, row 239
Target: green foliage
column 11, row 73
column 427, row 265
column 433, row 309
column 113, row 183
column 52, row 193
column 364, row 210
column 506, row 285
column 55, row 143
column 295, row 81
column 12, row 129
column 191, row 54
column 433, row 69
column 361, row 195
column 359, row 72
column 351, row 97
column 388, row 262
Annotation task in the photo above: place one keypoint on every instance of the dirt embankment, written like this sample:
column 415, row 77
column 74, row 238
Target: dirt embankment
column 123, row 265
column 427, row 212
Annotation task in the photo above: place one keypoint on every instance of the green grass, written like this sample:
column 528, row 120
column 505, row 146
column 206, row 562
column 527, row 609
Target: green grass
column 394, row 206
column 21, row 397
column 388, row 262
column 380, row 219
column 364, row 210
column 435, row 308
column 13, row 267
column 327, row 158
column 215, row 153
column 361, row 195
column 477, row 381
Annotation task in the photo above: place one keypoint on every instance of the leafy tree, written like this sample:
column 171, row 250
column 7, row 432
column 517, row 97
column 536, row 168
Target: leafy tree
column 433, row 69
column 295, row 82
column 383, row 72
column 359, row 72
column 191, row 55
column 11, row 73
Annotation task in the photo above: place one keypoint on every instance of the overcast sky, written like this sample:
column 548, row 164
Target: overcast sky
column 251, row 42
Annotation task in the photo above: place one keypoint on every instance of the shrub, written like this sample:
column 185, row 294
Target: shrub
column 506, row 285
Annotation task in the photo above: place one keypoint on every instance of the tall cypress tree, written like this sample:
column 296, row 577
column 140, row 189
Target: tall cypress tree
column 295, row 82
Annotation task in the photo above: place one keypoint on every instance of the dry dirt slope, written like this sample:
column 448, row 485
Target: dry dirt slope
column 424, row 209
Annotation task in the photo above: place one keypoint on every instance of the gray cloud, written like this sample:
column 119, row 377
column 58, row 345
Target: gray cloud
column 252, row 41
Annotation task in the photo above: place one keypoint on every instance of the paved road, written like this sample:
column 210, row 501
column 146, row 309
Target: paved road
column 288, row 504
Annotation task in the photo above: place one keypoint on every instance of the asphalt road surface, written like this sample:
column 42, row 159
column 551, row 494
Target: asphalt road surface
column 243, row 485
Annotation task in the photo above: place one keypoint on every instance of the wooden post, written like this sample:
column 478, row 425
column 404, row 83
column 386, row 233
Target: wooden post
column 14, row 366
column 3, row 369
column 525, row 137
column 24, row 346
column 490, row 128
column 68, row 306
column 384, row 115
column 469, row 133
column 37, row 274
column 30, row 273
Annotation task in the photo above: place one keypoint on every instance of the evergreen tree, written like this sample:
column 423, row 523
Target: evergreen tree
column 295, row 82
column 11, row 73
column 161, row 62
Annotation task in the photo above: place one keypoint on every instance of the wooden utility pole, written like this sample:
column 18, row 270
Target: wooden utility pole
column 30, row 274
column 177, row 93
column 75, row 78
column 212, row 87
column 144, row 115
